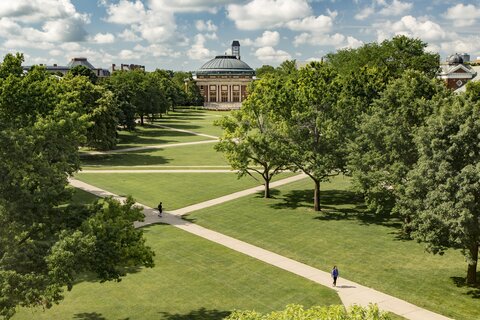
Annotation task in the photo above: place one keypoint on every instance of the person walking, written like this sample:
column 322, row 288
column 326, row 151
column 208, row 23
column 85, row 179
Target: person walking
column 334, row 275
column 160, row 209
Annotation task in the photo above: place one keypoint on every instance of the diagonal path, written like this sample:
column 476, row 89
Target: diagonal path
column 158, row 146
column 349, row 292
column 184, row 131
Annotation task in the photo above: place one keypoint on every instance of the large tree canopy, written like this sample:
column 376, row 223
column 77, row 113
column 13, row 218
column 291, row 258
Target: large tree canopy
column 44, row 245
column 395, row 56
column 312, row 124
column 441, row 197
column 250, row 135
column 383, row 150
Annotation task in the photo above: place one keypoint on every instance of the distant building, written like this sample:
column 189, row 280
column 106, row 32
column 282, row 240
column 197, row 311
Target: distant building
column 127, row 67
column 223, row 81
column 73, row 63
column 455, row 72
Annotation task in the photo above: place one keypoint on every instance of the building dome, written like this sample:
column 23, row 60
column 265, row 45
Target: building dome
column 455, row 59
column 225, row 65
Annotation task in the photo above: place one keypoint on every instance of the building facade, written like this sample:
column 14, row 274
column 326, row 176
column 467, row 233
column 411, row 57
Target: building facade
column 99, row 72
column 223, row 80
column 455, row 72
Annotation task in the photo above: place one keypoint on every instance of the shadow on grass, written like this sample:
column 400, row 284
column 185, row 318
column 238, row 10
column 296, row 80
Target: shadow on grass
column 200, row 314
column 328, row 198
column 336, row 205
column 89, row 316
column 474, row 290
column 273, row 194
column 139, row 157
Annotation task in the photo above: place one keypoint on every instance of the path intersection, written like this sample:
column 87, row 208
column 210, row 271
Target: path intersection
column 349, row 292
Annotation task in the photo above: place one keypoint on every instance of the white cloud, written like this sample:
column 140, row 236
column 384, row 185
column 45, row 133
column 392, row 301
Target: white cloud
column 463, row 15
column 104, row 38
column 365, row 13
column 426, row 30
column 270, row 55
column 198, row 50
column 126, row 12
column 470, row 44
column 262, row 14
column 155, row 26
column 268, row 39
column 37, row 23
column 395, row 8
column 211, row 6
column 129, row 35
column 313, row 24
column 205, row 26
column 336, row 40
column 33, row 11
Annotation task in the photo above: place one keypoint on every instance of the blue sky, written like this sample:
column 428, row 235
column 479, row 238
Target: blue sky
column 184, row 34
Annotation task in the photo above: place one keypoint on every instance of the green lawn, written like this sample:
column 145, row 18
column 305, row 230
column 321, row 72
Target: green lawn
column 191, row 155
column 366, row 248
column 150, row 135
column 200, row 121
column 193, row 279
column 176, row 190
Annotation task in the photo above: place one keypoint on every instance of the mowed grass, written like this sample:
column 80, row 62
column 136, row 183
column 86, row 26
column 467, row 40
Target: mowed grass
column 190, row 155
column 175, row 190
column 151, row 135
column 193, row 279
column 366, row 248
column 200, row 121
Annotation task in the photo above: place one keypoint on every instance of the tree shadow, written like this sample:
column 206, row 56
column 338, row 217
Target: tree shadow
column 200, row 314
column 337, row 205
column 474, row 291
column 273, row 194
column 89, row 316
column 138, row 157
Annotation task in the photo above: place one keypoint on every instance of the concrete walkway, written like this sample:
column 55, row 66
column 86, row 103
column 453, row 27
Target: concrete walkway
column 349, row 292
column 184, row 131
column 158, row 146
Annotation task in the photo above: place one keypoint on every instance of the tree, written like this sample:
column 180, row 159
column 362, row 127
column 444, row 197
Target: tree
column 473, row 90
column 83, row 71
column 249, row 138
column 441, row 195
column 264, row 70
column 312, row 124
column 383, row 150
column 395, row 56
column 44, row 245
column 100, row 108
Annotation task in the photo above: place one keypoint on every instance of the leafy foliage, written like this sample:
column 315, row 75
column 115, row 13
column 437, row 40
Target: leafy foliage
column 394, row 56
column 85, row 72
column 43, row 245
column 250, row 136
column 383, row 150
column 313, row 126
column 440, row 198
column 315, row 313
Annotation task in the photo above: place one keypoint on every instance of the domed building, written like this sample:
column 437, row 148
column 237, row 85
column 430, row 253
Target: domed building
column 223, row 81
column 455, row 72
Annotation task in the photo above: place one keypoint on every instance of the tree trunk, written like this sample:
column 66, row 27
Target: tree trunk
column 141, row 119
column 472, row 266
column 267, row 188
column 316, row 196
